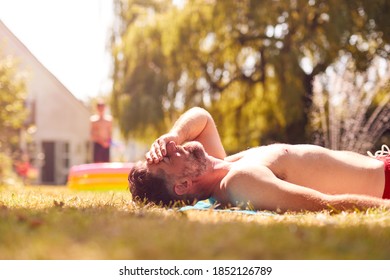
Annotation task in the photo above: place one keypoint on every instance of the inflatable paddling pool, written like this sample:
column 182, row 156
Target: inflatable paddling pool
column 99, row 176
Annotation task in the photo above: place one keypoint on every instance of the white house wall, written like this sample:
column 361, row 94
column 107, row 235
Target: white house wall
column 59, row 116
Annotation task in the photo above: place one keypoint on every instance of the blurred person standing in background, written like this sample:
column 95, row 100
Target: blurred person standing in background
column 101, row 133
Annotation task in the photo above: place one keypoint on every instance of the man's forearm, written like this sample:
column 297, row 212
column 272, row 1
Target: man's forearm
column 191, row 124
column 198, row 125
column 360, row 202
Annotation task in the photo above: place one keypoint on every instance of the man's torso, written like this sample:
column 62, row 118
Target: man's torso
column 331, row 172
column 101, row 129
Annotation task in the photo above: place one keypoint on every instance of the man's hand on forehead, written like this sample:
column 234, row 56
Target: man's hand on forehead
column 159, row 148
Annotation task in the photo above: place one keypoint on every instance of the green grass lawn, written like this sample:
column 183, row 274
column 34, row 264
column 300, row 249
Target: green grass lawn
column 58, row 223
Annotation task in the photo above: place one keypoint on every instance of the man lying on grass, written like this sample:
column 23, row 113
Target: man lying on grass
column 189, row 164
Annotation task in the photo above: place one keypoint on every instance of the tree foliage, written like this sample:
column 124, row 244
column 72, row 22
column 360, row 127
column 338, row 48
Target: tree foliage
column 251, row 63
column 12, row 113
column 12, row 106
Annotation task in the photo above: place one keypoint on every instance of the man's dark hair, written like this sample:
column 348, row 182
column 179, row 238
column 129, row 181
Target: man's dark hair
column 146, row 187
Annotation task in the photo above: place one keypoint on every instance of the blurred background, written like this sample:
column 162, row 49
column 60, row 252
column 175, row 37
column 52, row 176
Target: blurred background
column 299, row 71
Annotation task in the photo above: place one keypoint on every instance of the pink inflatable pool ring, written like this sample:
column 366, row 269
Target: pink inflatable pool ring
column 99, row 176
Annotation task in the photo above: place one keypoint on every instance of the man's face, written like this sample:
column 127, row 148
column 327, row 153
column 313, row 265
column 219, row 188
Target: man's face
column 100, row 108
column 188, row 161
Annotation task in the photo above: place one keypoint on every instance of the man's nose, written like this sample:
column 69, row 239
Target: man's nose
column 171, row 148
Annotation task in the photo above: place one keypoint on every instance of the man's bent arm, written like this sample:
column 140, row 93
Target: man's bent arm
column 196, row 124
column 262, row 190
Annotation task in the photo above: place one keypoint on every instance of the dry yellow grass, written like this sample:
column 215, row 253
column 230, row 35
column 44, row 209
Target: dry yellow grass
column 57, row 223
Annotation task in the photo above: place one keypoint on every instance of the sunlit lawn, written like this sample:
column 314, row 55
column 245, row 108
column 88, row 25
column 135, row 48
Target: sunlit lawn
column 57, row 223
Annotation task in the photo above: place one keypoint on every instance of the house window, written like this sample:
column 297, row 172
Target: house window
column 63, row 161
column 31, row 118
column 65, row 154
column 88, row 154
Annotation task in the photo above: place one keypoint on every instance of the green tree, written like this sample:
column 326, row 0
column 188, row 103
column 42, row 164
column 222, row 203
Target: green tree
column 12, row 104
column 12, row 112
column 140, row 80
column 252, row 63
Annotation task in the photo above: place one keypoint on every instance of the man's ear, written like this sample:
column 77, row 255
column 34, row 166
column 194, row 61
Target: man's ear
column 183, row 187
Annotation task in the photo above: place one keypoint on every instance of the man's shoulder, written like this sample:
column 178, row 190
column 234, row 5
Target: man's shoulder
column 108, row 118
column 243, row 181
column 94, row 118
column 246, row 171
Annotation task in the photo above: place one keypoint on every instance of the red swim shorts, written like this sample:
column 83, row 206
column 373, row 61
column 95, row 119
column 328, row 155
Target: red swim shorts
column 386, row 160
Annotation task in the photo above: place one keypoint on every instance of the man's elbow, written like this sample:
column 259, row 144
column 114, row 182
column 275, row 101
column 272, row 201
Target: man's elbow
column 200, row 111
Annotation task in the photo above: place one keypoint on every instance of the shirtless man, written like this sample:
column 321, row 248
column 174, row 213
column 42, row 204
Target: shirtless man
column 277, row 177
column 101, row 131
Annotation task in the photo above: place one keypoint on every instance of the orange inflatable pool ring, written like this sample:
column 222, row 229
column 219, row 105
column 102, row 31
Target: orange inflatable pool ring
column 99, row 176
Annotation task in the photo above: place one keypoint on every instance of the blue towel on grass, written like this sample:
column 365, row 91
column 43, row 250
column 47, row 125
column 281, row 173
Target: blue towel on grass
column 209, row 204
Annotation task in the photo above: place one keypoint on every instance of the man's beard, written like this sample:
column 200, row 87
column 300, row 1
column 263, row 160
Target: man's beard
column 198, row 161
